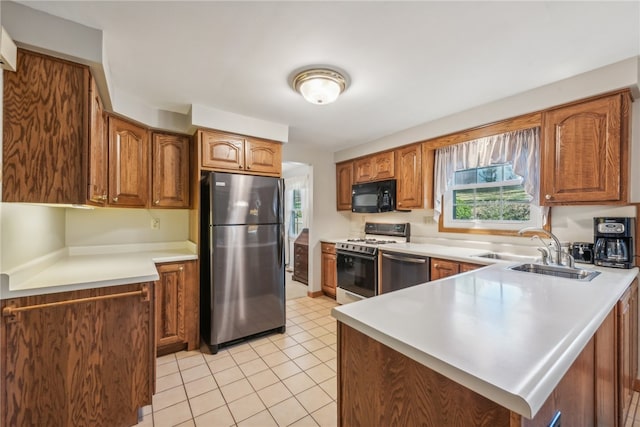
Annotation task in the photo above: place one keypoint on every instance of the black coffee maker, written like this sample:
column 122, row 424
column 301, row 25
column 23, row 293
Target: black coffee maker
column 613, row 242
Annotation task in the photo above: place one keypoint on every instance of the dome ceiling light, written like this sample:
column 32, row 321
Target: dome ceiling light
column 319, row 85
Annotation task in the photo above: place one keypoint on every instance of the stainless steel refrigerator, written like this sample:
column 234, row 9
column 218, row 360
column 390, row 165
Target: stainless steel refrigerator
column 242, row 257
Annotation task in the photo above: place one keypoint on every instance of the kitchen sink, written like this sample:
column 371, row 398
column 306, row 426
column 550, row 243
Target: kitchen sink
column 507, row 257
column 557, row 271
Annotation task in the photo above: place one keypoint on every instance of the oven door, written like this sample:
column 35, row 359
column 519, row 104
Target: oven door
column 357, row 273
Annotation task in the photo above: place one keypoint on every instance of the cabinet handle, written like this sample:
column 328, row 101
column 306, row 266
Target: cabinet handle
column 399, row 203
column 436, row 265
column 156, row 202
column 104, row 196
column 240, row 166
column 11, row 310
column 115, row 200
column 547, row 196
column 248, row 167
column 181, row 268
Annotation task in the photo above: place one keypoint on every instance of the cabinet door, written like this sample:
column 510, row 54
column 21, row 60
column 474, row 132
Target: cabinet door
column 329, row 273
column 467, row 266
column 128, row 164
column 443, row 268
column 384, row 166
column 222, row 151
column 170, row 171
column 583, row 147
column 170, row 304
column 627, row 349
column 263, row 157
column 409, row 176
column 89, row 362
column 97, row 188
column 363, row 170
column 344, row 181
column 45, row 130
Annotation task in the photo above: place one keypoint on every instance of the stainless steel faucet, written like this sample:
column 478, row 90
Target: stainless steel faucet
column 558, row 255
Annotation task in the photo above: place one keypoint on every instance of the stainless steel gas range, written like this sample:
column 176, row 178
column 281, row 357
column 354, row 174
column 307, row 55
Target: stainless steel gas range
column 357, row 260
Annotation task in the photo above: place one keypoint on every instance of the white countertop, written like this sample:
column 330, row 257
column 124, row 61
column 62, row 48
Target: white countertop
column 76, row 268
column 509, row 336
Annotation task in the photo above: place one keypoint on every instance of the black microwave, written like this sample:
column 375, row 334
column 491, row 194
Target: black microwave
column 371, row 197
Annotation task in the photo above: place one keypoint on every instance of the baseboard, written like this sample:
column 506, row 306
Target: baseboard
column 315, row 294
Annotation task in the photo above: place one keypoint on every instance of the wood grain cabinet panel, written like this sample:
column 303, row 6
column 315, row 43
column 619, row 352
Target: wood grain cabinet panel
column 97, row 192
column 441, row 268
column 85, row 358
column 170, row 171
column 177, row 312
column 45, row 130
column 263, row 157
column 627, row 349
column 235, row 153
column 344, row 181
column 329, row 272
column 585, row 152
column 374, row 168
column 463, row 267
column 128, row 164
column 409, row 177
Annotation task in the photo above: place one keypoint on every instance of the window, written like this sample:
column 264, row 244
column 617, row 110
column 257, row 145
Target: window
column 489, row 183
column 296, row 213
column 493, row 193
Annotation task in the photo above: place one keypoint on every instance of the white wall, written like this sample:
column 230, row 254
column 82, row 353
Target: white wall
column 29, row 232
column 123, row 226
column 324, row 220
column 623, row 74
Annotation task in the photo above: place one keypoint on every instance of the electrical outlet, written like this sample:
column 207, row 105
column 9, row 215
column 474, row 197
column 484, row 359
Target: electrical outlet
column 155, row 223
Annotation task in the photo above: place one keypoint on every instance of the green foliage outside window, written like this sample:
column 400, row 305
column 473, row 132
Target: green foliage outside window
column 475, row 200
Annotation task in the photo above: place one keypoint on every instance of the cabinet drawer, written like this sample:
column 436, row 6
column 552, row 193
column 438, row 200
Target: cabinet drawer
column 328, row 248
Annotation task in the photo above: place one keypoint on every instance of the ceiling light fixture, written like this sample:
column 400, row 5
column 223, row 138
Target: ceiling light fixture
column 319, row 85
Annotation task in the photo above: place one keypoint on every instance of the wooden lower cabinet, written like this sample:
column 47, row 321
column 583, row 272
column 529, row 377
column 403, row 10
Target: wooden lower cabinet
column 627, row 348
column 177, row 307
column 441, row 268
column 396, row 390
column 329, row 272
column 81, row 358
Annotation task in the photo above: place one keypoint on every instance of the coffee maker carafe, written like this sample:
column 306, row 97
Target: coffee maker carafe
column 613, row 238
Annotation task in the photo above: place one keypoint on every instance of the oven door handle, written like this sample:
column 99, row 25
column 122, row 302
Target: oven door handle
column 357, row 255
column 403, row 259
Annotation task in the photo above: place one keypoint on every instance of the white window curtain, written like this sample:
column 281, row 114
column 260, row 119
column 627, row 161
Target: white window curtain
column 520, row 148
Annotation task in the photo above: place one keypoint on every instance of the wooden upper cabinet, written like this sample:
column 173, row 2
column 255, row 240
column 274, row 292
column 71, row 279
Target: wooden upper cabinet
column 585, row 152
column 128, row 164
column 170, row 171
column 374, row 168
column 98, row 183
column 222, row 151
column 228, row 152
column 344, row 181
column 409, row 175
column 263, row 157
column 45, row 130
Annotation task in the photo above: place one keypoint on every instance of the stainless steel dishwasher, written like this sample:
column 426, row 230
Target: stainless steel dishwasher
column 400, row 270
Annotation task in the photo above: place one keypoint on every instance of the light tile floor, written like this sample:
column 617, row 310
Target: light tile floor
column 633, row 418
column 275, row 380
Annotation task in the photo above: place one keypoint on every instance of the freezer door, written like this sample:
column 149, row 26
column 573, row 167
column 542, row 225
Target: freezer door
column 247, row 293
column 245, row 199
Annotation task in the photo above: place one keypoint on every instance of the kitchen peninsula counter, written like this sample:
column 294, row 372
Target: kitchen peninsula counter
column 508, row 336
column 78, row 268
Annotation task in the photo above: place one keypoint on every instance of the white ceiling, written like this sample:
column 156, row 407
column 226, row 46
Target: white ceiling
column 408, row 62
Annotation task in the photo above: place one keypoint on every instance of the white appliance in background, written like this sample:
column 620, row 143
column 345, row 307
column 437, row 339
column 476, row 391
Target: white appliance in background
column 357, row 260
